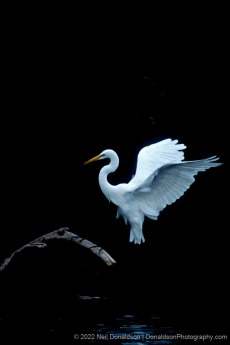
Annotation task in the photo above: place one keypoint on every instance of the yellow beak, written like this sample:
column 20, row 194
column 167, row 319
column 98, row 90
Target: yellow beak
column 93, row 159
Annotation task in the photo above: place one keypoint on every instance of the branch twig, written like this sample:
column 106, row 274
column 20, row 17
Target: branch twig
column 64, row 234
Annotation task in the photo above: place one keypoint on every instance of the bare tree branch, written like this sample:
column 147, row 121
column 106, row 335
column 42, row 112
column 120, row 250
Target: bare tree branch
column 63, row 234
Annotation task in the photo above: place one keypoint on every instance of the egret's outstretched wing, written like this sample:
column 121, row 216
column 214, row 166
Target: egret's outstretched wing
column 152, row 157
column 168, row 184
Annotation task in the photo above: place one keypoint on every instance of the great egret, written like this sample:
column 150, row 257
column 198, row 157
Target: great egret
column 161, row 178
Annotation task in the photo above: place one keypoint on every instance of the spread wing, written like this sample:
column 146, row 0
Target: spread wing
column 168, row 183
column 154, row 156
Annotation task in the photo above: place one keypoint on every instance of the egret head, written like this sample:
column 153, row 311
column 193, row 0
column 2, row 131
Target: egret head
column 105, row 154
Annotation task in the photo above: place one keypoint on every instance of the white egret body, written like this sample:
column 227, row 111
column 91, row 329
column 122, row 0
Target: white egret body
column 161, row 178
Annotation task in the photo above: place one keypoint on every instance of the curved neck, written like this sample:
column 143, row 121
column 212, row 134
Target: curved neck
column 106, row 187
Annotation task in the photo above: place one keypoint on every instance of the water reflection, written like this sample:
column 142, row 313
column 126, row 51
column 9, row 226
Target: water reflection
column 134, row 329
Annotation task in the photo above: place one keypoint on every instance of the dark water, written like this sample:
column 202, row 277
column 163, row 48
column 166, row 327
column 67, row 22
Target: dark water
column 134, row 329
column 138, row 329
column 123, row 328
column 126, row 327
column 113, row 324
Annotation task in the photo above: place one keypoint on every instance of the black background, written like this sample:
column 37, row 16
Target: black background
column 72, row 90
